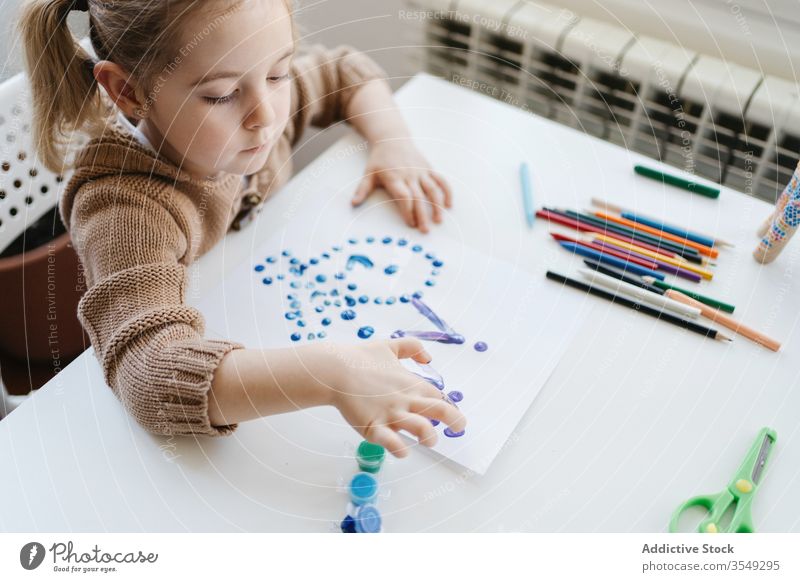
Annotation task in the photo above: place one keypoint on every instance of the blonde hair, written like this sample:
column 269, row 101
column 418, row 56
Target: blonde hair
column 138, row 35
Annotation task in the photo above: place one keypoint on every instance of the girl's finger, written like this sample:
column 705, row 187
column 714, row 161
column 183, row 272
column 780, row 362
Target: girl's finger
column 417, row 425
column 364, row 188
column 387, row 438
column 440, row 409
column 404, row 198
column 435, row 195
column 409, row 347
column 419, row 205
column 448, row 194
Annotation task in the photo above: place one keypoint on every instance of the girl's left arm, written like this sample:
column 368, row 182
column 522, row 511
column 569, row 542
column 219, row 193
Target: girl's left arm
column 395, row 164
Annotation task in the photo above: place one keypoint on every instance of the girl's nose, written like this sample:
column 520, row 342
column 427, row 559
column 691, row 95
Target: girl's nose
column 261, row 115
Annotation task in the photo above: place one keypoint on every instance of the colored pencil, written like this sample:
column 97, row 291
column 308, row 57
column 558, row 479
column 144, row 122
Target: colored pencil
column 704, row 273
column 639, row 235
column 702, row 249
column 637, row 294
column 622, row 276
column 527, row 193
column 690, row 185
column 642, row 262
column 660, row 266
column 727, row 321
column 710, row 301
column 668, row 317
column 609, row 260
column 676, row 230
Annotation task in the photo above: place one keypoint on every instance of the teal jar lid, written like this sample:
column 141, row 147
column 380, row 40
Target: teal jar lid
column 370, row 456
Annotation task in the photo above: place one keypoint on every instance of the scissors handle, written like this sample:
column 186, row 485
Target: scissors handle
column 717, row 505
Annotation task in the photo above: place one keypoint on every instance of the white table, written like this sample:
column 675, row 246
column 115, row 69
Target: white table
column 638, row 416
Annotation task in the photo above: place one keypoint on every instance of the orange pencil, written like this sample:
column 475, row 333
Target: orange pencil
column 702, row 249
column 722, row 319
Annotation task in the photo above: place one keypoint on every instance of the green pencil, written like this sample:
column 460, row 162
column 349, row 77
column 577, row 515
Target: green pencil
column 702, row 299
column 690, row 185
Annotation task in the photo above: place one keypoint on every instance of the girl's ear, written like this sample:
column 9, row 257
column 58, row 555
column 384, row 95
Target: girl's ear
column 121, row 88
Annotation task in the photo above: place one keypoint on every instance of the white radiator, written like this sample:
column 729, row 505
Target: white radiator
column 721, row 121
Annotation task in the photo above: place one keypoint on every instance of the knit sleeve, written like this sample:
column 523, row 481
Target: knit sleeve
column 325, row 81
column 149, row 343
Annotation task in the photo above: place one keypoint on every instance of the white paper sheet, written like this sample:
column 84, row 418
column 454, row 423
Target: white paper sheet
column 525, row 321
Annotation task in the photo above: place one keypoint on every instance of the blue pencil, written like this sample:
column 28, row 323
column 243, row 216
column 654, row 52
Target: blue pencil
column 698, row 238
column 527, row 193
column 609, row 260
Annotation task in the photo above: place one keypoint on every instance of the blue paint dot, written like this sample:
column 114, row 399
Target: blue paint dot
column 434, row 422
column 430, row 283
column 280, row 277
column 455, row 396
column 336, row 248
column 267, row 280
column 378, row 301
column 326, row 302
column 416, row 248
column 370, row 239
column 402, row 242
column 259, row 268
column 404, row 299
column 301, row 323
column 417, row 295
column 429, row 255
column 313, row 261
column 339, row 276
column 390, row 301
column 350, row 301
column 348, row 314
column 337, row 303
column 294, row 261
column 352, row 241
column 296, row 337
column 286, row 253
column 387, row 240
column 352, row 286
column 452, row 434
column 435, row 272
column 335, row 293
column 290, row 315
column 363, row 299
column 311, row 336
column 481, row 346
column 326, row 321
column 326, row 256
column 438, row 263
column 391, row 269
column 398, row 333
column 321, row 334
column 366, row 332
column 291, row 296
column 319, row 309
column 271, row 259
column 295, row 284
column 321, row 278
column 295, row 304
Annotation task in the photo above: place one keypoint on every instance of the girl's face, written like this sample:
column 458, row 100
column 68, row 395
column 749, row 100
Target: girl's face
column 223, row 102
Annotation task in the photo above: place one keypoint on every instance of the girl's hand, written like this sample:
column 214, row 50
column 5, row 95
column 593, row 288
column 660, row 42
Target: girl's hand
column 379, row 397
column 400, row 169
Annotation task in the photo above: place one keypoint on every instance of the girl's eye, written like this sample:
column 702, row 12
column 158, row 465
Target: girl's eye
column 278, row 79
column 220, row 100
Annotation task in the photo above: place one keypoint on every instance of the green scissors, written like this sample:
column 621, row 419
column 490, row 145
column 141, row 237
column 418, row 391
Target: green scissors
column 739, row 492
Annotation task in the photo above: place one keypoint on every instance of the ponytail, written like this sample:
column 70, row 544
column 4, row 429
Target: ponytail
column 65, row 94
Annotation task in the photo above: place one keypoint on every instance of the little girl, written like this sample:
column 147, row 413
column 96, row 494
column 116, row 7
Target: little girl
column 193, row 107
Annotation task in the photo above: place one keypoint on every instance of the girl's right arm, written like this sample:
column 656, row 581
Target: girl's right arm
column 366, row 382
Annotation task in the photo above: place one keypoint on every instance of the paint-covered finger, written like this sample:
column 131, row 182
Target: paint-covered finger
column 440, row 409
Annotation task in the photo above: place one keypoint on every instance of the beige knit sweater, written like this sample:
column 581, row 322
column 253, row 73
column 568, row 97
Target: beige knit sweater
column 137, row 222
